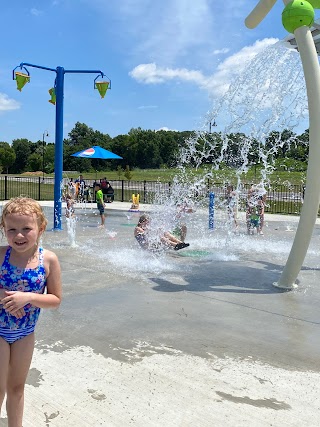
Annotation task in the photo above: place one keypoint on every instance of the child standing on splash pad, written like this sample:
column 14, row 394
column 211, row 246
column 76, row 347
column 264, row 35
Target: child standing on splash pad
column 180, row 227
column 255, row 210
column 30, row 279
column 100, row 203
column 69, row 207
column 72, row 189
column 167, row 240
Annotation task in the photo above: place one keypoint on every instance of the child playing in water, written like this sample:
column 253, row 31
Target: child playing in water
column 100, row 203
column 167, row 240
column 69, row 207
column 255, row 211
column 30, row 279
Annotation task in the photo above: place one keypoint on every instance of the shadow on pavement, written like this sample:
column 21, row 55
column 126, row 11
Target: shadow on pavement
column 227, row 277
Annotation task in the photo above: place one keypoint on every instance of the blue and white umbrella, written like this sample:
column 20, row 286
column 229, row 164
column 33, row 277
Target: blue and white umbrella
column 96, row 152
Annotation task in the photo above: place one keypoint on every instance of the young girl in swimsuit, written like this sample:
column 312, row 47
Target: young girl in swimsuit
column 30, row 279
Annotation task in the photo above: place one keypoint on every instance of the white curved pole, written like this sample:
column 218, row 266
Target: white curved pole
column 259, row 12
column 310, row 206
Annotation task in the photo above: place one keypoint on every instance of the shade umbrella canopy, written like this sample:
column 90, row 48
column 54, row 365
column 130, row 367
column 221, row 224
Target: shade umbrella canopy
column 96, row 152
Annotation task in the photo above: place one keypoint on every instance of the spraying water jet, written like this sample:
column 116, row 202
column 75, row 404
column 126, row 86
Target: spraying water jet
column 299, row 22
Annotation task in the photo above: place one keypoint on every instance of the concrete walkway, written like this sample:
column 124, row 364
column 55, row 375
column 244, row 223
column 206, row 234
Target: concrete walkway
column 198, row 338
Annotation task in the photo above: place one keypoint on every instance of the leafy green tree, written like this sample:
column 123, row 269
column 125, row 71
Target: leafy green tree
column 49, row 158
column 148, row 151
column 80, row 137
column 34, row 162
column 168, row 147
column 236, row 149
column 22, row 148
column 7, row 156
column 304, row 137
column 253, row 154
column 127, row 173
column 278, row 143
column 135, row 131
column 301, row 150
column 119, row 171
column 123, row 146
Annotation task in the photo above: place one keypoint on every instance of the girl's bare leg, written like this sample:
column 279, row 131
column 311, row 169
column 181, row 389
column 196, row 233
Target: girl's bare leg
column 183, row 232
column 248, row 215
column 20, row 359
column 261, row 224
column 170, row 237
column 4, row 368
column 166, row 241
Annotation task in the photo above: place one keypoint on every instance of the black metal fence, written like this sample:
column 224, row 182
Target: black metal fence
column 280, row 198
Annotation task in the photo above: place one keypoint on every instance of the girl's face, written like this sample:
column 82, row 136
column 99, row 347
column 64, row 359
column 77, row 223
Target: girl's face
column 22, row 231
column 144, row 223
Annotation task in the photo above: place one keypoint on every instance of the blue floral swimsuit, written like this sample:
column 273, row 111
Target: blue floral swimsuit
column 24, row 280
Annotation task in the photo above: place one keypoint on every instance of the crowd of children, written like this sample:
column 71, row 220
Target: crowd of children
column 255, row 204
column 78, row 191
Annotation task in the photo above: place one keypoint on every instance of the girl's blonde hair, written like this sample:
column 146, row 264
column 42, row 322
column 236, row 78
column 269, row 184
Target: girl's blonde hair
column 24, row 206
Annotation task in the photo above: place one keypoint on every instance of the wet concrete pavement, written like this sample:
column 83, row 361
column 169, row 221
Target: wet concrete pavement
column 198, row 337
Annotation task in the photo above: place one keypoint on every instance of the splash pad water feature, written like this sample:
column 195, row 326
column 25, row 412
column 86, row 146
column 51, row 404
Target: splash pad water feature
column 232, row 270
column 115, row 248
column 205, row 152
column 297, row 18
column 279, row 102
column 280, row 72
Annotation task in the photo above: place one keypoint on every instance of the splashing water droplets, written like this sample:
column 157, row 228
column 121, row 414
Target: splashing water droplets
column 71, row 229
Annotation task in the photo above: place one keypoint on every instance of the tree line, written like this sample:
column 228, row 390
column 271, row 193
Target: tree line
column 148, row 149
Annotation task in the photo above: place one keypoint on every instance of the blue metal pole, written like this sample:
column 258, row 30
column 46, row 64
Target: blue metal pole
column 58, row 163
column 211, row 211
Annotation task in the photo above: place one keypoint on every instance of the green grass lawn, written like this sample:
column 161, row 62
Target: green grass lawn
column 167, row 175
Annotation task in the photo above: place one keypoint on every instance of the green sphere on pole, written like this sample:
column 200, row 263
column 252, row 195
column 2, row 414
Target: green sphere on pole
column 297, row 14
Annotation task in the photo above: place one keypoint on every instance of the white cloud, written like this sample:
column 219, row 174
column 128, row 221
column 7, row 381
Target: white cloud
column 147, row 107
column 166, row 129
column 35, row 12
column 221, row 51
column 7, row 104
column 150, row 73
column 216, row 84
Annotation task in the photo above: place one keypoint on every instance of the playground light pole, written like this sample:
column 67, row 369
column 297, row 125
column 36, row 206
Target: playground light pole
column 45, row 133
column 212, row 123
column 57, row 94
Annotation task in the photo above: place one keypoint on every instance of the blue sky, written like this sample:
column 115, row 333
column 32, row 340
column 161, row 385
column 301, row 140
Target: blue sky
column 168, row 61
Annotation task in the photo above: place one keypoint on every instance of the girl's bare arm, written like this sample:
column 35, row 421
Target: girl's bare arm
column 51, row 299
